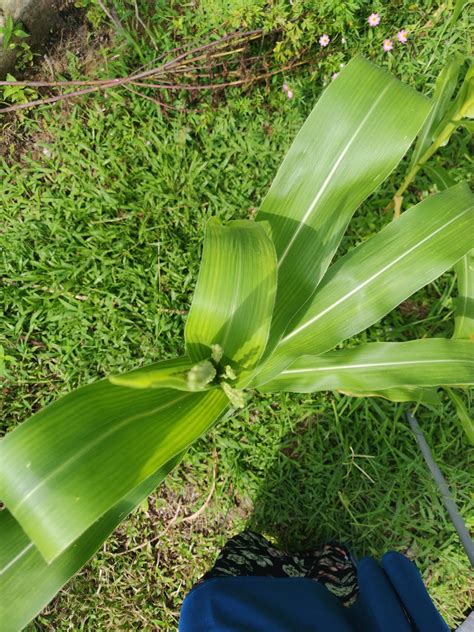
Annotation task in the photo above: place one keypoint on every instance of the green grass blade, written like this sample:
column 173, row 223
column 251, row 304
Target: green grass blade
column 357, row 133
column 66, row 466
column 444, row 90
column 458, row 7
column 464, row 303
column 233, row 303
column 28, row 582
column 375, row 277
column 381, row 365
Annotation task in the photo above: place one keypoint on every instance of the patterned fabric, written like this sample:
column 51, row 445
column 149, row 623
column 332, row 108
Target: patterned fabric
column 250, row 554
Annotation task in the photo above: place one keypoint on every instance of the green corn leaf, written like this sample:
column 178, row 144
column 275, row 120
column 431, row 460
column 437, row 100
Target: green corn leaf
column 75, row 469
column 464, row 303
column 462, row 107
column 440, row 176
column 465, row 419
column 458, row 7
column 372, row 279
column 357, row 133
column 70, row 463
column 444, row 90
column 465, row 98
column 381, row 365
column 464, row 328
column 468, row 124
column 235, row 293
column 178, row 373
column 426, row 396
column 28, row 582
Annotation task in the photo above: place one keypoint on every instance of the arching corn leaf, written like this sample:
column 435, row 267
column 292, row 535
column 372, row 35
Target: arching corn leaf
column 444, row 90
column 73, row 461
column 357, row 133
column 372, row 279
column 28, row 582
column 465, row 419
column 381, row 365
column 464, row 329
column 439, row 175
column 464, row 303
column 426, row 396
column 235, row 293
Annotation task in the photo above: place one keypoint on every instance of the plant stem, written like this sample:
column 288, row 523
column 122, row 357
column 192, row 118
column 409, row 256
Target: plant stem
column 442, row 138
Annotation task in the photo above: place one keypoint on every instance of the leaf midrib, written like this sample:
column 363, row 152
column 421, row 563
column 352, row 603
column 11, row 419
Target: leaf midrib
column 16, row 559
column 90, row 446
column 327, row 181
column 333, row 368
column 373, row 277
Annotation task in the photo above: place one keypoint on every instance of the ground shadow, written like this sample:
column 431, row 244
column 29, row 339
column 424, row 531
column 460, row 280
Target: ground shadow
column 362, row 484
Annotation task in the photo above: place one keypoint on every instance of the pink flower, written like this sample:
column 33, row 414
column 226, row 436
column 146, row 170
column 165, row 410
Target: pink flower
column 286, row 88
column 335, row 74
column 373, row 19
column 324, row 40
column 402, row 36
column 387, row 45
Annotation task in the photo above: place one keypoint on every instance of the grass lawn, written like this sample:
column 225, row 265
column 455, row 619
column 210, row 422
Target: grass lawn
column 103, row 206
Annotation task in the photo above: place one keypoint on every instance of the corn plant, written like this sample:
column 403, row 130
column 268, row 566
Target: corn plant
column 269, row 314
column 446, row 115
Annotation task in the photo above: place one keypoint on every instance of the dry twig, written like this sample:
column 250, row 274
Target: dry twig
column 175, row 520
column 112, row 15
column 214, row 55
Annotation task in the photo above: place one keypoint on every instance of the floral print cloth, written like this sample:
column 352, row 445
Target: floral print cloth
column 251, row 554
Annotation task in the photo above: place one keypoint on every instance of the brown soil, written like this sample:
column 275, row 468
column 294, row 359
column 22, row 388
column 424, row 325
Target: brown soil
column 72, row 36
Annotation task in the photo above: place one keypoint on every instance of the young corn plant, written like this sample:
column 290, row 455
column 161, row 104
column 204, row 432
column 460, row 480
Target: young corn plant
column 447, row 114
column 450, row 110
column 269, row 314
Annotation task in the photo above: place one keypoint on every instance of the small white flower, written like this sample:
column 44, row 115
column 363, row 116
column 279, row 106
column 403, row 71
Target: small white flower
column 324, row 40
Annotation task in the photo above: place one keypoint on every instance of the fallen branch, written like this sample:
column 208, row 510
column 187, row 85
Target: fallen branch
column 212, row 54
column 205, row 505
